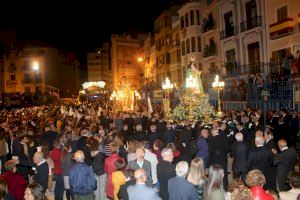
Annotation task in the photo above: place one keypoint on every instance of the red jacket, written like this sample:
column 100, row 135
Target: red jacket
column 258, row 193
column 109, row 168
column 56, row 155
column 16, row 184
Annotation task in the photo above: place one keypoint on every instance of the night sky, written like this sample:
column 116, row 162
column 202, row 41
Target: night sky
column 79, row 26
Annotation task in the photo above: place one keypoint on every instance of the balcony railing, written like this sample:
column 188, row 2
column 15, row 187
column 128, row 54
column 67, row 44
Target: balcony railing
column 254, row 68
column 228, row 32
column 209, row 50
column 11, row 82
column 247, row 25
column 232, row 68
column 208, row 25
column 29, row 81
column 281, row 28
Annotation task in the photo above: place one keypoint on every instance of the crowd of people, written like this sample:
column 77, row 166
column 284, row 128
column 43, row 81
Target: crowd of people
column 91, row 152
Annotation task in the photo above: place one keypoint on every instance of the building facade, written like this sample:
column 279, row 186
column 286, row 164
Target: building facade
column 283, row 29
column 124, row 56
column 190, row 35
column 99, row 66
column 40, row 69
column 162, row 28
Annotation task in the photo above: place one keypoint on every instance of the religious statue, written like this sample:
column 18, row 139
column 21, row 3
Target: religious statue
column 193, row 77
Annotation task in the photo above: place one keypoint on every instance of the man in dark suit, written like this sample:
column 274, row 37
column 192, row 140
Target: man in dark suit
column 270, row 144
column 140, row 190
column 141, row 163
column 48, row 137
column 41, row 170
column 165, row 171
column 239, row 153
column 260, row 158
column 285, row 162
column 218, row 153
column 179, row 188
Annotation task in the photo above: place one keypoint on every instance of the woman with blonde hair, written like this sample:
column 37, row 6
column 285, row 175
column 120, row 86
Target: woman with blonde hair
column 214, row 189
column 197, row 176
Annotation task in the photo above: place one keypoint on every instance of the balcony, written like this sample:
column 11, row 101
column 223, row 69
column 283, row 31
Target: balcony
column 209, row 50
column 232, row 68
column 31, row 81
column 254, row 68
column 11, row 82
column 247, row 25
column 281, row 28
column 228, row 32
column 208, row 25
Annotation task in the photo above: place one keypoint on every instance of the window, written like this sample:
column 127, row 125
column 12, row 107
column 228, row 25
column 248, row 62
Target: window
column 167, row 58
column 193, row 44
column 182, row 22
column 281, row 13
column 199, row 44
column 230, row 55
column 182, row 48
column 211, row 42
column 188, row 46
column 26, row 78
column 13, row 77
column 198, row 17
column 192, row 18
column 186, row 20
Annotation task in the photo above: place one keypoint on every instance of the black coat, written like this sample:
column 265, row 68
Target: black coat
column 270, row 144
column 217, row 150
column 239, row 153
column 41, row 175
column 165, row 171
column 49, row 137
column 260, row 158
column 123, row 194
column 98, row 164
column 285, row 162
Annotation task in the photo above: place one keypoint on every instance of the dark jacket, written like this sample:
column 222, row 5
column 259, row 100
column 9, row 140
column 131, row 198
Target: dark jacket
column 98, row 164
column 146, row 166
column 123, row 194
column 180, row 189
column 218, row 150
column 82, row 179
column 165, row 171
column 260, row 158
column 41, row 175
column 49, row 137
column 239, row 153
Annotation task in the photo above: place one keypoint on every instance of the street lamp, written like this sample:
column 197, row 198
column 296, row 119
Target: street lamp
column 218, row 86
column 167, row 86
column 140, row 59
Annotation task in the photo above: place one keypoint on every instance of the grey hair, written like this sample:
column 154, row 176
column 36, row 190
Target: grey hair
column 79, row 156
column 166, row 152
column 239, row 136
column 182, row 168
column 39, row 154
column 259, row 140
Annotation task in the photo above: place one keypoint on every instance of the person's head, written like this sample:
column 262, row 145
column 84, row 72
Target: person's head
column 131, row 147
column 255, row 178
column 10, row 166
column 294, row 179
column 214, row 131
column 38, row 157
column 239, row 137
column 120, row 164
column 138, row 127
column 129, row 173
column 140, row 176
column 125, row 127
column 114, row 148
column 215, row 179
column 140, row 153
column 79, row 156
column 259, row 133
column 282, row 144
column 268, row 135
column 259, row 141
column 167, row 154
column 204, row 133
column 152, row 128
column 145, row 144
column 197, row 171
column 158, row 145
column 119, row 140
column 241, row 193
column 33, row 191
column 56, row 143
column 182, row 168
